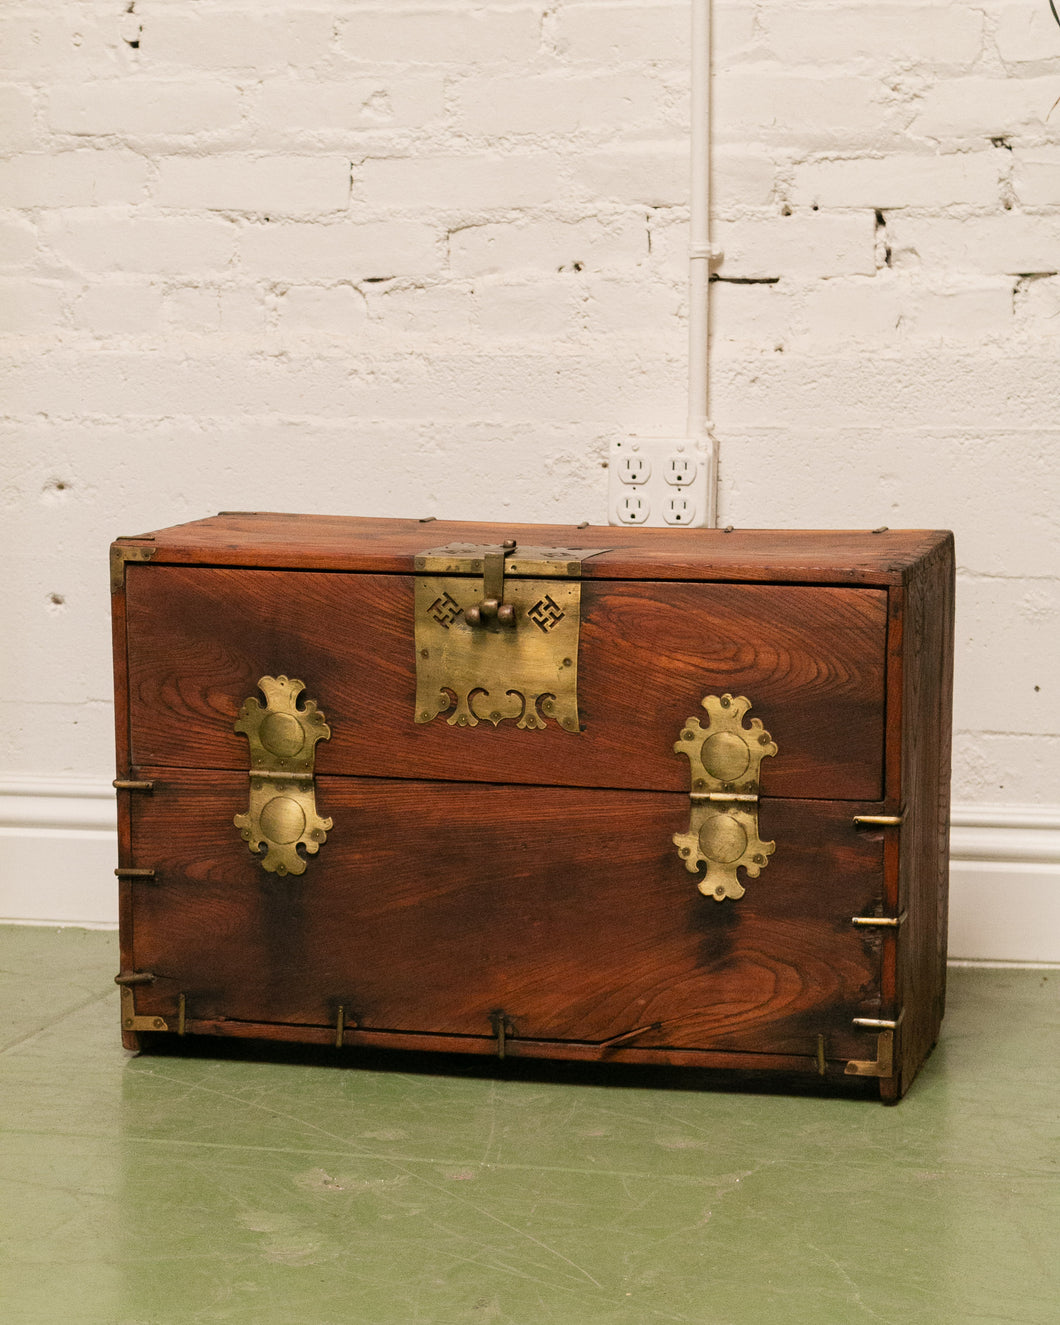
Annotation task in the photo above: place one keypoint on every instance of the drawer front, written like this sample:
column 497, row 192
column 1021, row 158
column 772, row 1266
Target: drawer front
column 810, row 659
column 432, row 909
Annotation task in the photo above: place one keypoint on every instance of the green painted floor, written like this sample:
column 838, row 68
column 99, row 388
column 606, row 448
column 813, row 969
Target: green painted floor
column 252, row 1190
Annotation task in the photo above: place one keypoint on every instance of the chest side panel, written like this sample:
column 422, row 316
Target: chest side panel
column 432, row 907
column 811, row 660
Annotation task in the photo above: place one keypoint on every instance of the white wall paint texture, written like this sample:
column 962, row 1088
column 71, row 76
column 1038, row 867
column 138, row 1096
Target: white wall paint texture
column 427, row 258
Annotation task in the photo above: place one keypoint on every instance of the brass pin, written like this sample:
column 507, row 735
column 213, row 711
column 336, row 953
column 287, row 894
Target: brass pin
column 340, row 1027
column 131, row 784
column 878, row 820
column 182, row 1014
column 145, row 875
column 880, row 922
column 822, row 1066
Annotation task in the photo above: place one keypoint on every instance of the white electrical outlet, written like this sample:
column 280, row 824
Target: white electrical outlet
column 660, row 481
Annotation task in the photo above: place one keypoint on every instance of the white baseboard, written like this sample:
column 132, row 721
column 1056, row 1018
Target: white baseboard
column 58, row 851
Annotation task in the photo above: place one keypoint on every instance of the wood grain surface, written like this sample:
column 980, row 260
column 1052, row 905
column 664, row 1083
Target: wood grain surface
column 828, row 556
column 431, row 907
column 811, row 659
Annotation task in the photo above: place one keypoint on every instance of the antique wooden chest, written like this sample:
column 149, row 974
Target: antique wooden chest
column 625, row 795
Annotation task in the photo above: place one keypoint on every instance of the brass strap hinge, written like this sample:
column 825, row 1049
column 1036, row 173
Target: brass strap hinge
column 724, row 762
column 497, row 631
column 282, row 814
column 883, row 1064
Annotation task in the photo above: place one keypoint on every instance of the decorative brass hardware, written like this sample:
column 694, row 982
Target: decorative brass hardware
column 282, row 814
column 132, row 784
column 131, row 1022
column 883, row 1064
column 504, row 649
column 724, row 758
column 877, row 820
column 880, row 922
column 120, row 554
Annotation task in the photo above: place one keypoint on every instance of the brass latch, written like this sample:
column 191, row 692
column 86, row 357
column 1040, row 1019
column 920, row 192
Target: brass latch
column 282, row 814
column 497, row 630
column 724, row 758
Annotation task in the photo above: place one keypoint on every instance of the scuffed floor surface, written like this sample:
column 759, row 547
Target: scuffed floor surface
column 173, row 1189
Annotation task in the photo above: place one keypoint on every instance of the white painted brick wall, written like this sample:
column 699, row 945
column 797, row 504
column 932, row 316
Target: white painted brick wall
column 428, row 256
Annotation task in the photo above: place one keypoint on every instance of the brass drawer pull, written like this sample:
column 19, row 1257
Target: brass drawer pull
column 724, row 758
column 282, row 814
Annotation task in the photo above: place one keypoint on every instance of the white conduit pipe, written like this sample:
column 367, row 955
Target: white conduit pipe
column 700, row 254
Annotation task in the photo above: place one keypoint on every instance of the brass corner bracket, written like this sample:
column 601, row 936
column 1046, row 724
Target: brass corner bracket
column 883, row 1064
column 120, row 554
column 282, row 814
column 724, row 762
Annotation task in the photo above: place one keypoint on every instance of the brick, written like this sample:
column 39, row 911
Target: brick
column 143, row 107
column 800, row 109
column 119, row 308
column 1036, row 304
column 209, row 310
column 1037, row 176
column 847, row 311
column 741, row 178
column 17, row 119
column 1026, row 35
column 977, row 313
column 458, row 183
column 1011, row 244
column 558, row 103
column 590, row 245
column 18, row 242
column 761, row 315
column 514, row 312
column 798, row 247
column 292, row 106
column 900, row 180
column 313, row 312
column 420, row 313
column 91, row 241
column 295, row 251
column 968, row 108
column 631, row 309
column 384, row 36
column 877, row 36
column 60, row 40
column 72, row 179
column 285, row 185
column 609, row 35
column 651, row 174
column 29, row 307
column 262, row 42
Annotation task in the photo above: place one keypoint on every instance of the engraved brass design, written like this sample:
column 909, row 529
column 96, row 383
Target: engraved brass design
column 724, row 759
column 497, row 633
column 282, row 814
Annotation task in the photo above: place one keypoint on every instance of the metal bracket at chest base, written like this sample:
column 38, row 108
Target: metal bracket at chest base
column 497, row 630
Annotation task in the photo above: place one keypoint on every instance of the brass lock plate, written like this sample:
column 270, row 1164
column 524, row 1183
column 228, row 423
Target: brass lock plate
column 497, row 632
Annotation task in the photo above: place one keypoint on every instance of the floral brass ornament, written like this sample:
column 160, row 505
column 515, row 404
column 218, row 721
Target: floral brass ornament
column 497, row 631
column 282, row 814
column 725, row 759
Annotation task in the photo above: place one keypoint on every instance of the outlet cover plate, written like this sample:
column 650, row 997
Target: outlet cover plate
column 667, row 482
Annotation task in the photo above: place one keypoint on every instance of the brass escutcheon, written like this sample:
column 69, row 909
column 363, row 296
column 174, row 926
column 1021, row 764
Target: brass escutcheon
column 282, row 814
column 724, row 759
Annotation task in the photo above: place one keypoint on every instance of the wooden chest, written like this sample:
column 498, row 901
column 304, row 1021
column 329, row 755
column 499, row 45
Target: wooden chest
column 626, row 795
